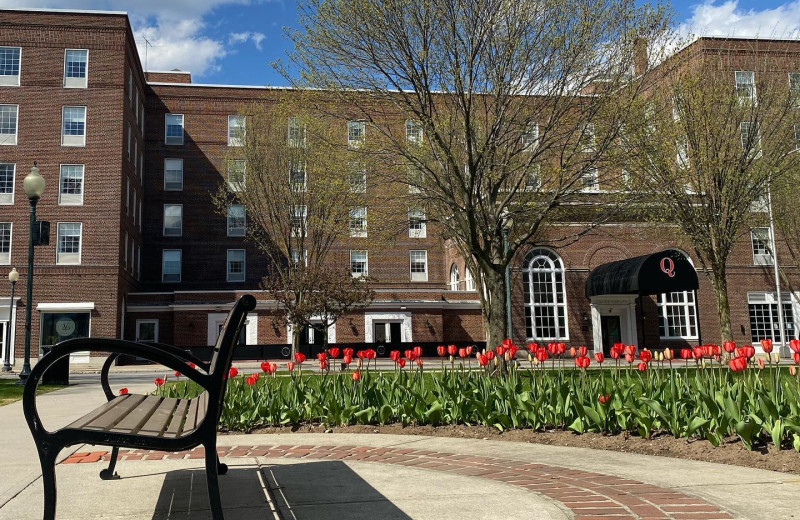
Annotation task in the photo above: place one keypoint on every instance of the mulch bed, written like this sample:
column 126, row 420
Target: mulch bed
column 732, row 451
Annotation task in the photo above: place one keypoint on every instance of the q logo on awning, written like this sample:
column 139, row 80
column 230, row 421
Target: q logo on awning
column 668, row 266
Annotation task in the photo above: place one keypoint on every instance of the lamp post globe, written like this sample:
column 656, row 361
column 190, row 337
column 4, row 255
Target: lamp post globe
column 13, row 277
column 33, row 184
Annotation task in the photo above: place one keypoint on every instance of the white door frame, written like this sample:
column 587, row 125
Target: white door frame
column 404, row 318
column 622, row 305
column 12, row 326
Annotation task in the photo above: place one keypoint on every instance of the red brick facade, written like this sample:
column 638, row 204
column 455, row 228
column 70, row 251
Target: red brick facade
column 122, row 242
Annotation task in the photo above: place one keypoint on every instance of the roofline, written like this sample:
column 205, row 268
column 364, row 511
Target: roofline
column 742, row 38
column 213, row 85
column 170, row 71
column 75, row 11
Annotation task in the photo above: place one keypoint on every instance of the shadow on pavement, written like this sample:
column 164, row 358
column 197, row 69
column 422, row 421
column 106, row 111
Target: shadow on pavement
column 327, row 490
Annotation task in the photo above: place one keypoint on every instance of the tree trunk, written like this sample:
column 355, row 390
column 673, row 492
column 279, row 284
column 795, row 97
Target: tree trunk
column 296, row 331
column 494, row 309
column 720, row 283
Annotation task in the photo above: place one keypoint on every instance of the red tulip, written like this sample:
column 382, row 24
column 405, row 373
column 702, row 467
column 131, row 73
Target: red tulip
column 361, row 354
column 483, row 360
column 619, row 348
column 794, row 344
column 322, row 356
column 250, row 380
column 708, row 351
column 124, row 391
column 582, row 361
column 573, row 352
column 490, row 354
column 177, row 374
column 347, row 351
column 562, row 347
column 729, row 346
column 233, row 372
column 333, row 352
column 541, row 355
column 796, row 357
column 401, row 362
column 500, row 350
column 299, row 357
column 697, row 352
column 717, row 351
column 158, row 381
column 418, row 361
column 642, row 366
column 748, row 351
column 273, row 368
column 761, row 363
column 582, row 351
column 371, row 354
column 507, row 342
column 347, row 359
column 394, row 355
column 737, row 364
column 462, row 352
column 532, row 347
column 669, row 355
column 265, row 367
column 469, row 350
column 629, row 358
column 323, row 364
column 417, row 351
column 441, row 350
column 451, row 350
column 614, row 353
column 599, row 357
column 766, row 345
column 552, row 349
column 646, row 356
column 290, row 365
column 356, row 375
column 686, row 353
column 630, row 349
column 603, row 399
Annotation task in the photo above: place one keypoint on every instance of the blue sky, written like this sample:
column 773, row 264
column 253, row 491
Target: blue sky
column 236, row 41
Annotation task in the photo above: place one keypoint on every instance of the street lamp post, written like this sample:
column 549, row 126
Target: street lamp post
column 33, row 184
column 13, row 276
column 506, row 229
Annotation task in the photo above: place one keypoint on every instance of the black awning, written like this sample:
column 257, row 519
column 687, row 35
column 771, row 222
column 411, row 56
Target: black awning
column 662, row 272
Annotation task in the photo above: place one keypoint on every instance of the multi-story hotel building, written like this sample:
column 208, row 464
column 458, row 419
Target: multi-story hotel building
column 131, row 158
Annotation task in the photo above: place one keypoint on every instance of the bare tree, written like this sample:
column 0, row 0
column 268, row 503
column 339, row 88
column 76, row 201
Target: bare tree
column 709, row 141
column 289, row 180
column 496, row 114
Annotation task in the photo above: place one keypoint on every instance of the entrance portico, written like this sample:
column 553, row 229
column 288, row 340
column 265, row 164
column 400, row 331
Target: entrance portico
column 613, row 289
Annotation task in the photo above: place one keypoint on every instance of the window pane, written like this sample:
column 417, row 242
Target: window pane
column 173, row 219
column 8, row 122
column 171, row 265
column 236, row 128
column 61, row 326
column 236, row 220
column 174, row 129
column 74, row 121
column 358, row 263
column 173, row 174
column 5, row 237
column 9, row 61
column 75, row 63
column 6, row 182
column 545, row 300
column 236, row 265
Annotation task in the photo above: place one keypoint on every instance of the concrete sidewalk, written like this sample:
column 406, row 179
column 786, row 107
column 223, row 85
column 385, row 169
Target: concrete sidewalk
column 342, row 476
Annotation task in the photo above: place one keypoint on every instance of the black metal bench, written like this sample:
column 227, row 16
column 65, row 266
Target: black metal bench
column 142, row 421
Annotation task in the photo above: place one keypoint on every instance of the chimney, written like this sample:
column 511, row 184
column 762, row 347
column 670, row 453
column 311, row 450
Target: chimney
column 639, row 56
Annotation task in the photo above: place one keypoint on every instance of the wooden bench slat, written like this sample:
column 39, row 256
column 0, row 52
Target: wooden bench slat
column 178, row 418
column 158, row 421
column 197, row 411
column 97, row 412
column 138, row 416
column 110, row 419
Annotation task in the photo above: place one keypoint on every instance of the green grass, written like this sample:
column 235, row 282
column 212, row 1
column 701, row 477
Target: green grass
column 10, row 391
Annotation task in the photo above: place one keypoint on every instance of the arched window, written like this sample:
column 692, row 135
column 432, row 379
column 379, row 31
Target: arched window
column 454, row 277
column 469, row 282
column 545, row 298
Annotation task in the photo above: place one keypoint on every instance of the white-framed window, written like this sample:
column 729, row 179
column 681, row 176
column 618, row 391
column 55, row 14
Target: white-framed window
column 677, row 318
column 764, row 320
column 418, row 260
column 682, row 154
column 237, row 175
column 533, row 180
column 237, row 220
column 68, row 250
column 76, row 68
column 173, row 220
column 358, row 222
column 297, row 220
column 147, row 330
column 454, row 278
column 417, row 227
column 73, row 126
column 10, row 61
column 7, row 174
column 5, row 243
column 751, row 138
column 295, row 255
column 762, row 246
column 415, row 178
column 469, row 281
column 413, row 132
column 745, row 85
column 173, row 129
column 544, row 296
column 358, row 263
column 236, row 130
column 173, row 174
column 236, row 265
column 70, row 185
column 297, row 175
column 356, row 131
column 794, row 87
column 590, row 179
column 357, row 178
column 296, row 137
column 530, row 137
column 8, row 124
column 171, row 265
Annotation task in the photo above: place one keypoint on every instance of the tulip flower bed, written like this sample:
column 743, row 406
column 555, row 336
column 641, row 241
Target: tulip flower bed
column 709, row 393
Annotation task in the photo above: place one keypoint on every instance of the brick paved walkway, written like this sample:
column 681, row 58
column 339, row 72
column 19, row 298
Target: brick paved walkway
column 590, row 496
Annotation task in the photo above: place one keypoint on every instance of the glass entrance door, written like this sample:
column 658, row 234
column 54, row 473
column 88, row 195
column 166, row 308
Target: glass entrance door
column 610, row 326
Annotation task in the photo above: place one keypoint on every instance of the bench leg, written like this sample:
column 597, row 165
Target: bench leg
column 108, row 473
column 212, row 462
column 47, row 458
column 221, row 468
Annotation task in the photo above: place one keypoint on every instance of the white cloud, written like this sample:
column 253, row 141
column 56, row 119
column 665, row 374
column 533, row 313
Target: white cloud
column 727, row 19
column 243, row 37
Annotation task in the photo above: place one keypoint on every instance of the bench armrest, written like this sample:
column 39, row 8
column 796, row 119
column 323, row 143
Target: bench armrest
column 116, row 347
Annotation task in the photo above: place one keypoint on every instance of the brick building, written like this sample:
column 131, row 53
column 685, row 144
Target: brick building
column 137, row 251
